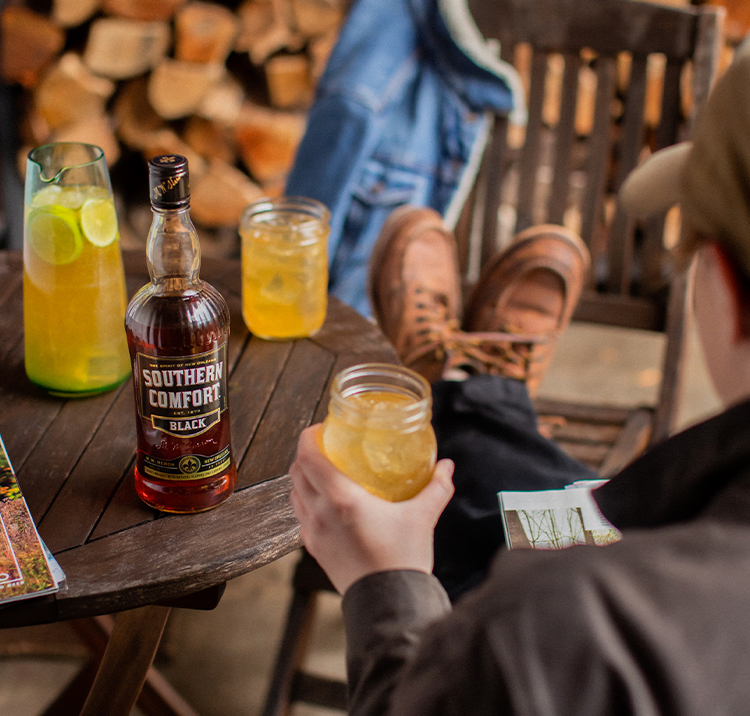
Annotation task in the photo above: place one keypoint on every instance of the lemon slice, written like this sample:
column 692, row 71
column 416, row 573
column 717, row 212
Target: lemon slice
column 47, row 197
column 53, row 234
column 99, row 221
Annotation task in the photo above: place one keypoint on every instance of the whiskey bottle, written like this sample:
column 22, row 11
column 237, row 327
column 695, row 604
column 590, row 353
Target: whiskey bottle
column 177, row 328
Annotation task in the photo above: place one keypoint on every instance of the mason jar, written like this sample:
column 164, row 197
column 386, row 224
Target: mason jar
column 284, row 267
column 378, row 430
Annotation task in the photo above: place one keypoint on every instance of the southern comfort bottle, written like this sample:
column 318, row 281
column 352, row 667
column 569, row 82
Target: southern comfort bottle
column 177, row 328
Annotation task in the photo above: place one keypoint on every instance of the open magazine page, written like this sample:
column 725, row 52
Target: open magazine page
column 27, row 568
column 555, row 519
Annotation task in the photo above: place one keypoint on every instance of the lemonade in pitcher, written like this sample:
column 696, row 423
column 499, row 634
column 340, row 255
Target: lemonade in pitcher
column 378, row 430
column 284, row 267
column 74, row 283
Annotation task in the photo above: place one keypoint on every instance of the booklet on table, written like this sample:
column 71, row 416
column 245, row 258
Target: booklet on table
column 27, row 567
column 555, row 519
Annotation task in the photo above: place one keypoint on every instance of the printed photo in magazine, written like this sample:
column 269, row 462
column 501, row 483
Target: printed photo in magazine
column 27, row 568
column 555, row 519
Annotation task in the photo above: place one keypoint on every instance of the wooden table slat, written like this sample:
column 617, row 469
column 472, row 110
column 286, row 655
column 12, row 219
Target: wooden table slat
column 27, row 410
column 125, row 510
column 251, row 386
column 59, row 450
column 290, row 411
column 92, row 483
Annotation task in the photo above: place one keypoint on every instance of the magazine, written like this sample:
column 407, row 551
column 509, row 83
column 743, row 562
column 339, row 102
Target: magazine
column 555, row 519
column 27, row 567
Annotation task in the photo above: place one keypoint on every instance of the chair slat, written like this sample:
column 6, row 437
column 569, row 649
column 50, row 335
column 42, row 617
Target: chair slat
column 620, row 246
column 495, row 168
column 565, row 139
column 531, row 149
column 597, row 160
column 653, row 273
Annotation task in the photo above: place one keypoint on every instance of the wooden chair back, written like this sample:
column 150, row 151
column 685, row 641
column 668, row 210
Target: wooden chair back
column 607, row 82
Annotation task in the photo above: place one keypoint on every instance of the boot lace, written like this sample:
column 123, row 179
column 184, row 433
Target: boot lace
column 428, row 328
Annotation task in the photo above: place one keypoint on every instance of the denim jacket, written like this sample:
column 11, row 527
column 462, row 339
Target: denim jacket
column 401, row 116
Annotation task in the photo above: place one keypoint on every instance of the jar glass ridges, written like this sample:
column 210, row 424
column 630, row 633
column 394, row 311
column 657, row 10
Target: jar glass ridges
column 378, row 429
column 284, row 267
column 74, row 283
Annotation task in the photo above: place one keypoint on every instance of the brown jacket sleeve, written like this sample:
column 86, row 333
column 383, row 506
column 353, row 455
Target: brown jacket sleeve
column 384, row 616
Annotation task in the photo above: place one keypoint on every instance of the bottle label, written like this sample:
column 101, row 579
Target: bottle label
column 183, row 396
column 187, row 467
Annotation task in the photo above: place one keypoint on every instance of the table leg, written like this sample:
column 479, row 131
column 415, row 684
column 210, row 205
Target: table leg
column 126, row 661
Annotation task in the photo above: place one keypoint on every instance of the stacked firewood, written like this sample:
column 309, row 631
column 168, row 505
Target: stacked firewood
column 226, row 83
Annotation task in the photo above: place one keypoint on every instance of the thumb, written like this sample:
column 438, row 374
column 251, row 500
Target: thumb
column 439, row 490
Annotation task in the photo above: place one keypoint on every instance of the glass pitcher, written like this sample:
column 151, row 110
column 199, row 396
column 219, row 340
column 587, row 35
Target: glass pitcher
column 74, row 294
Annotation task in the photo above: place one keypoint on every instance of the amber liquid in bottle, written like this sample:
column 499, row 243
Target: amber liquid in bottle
column 177, row 328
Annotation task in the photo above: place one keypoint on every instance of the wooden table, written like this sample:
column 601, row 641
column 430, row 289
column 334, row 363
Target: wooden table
column 74, row 461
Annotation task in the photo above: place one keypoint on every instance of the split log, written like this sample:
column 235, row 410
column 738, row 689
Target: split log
column 265, row 29
column 655, row 68
column 267, row 141
column 317, row 17
column 210, row 139
column 319, row 49
column 737, row 23
column 586, row 107
column 167, row 141
column 71, row 13
column 96, row 129
column 30, row 41
column 92, row 130
column 219, row 196
column 140, row 128
column 289, row 81
column 223, row 101
column 69, row 92
column 135, row 118
column 256, row 18
column 120, row 49
column 147, row 10
column 176, row 89
column 205, row 32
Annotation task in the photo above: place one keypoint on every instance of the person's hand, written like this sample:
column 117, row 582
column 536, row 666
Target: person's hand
column 352, row 533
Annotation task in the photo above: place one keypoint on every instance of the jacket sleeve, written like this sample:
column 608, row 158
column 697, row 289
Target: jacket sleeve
column 408, row 653
column 384, row 616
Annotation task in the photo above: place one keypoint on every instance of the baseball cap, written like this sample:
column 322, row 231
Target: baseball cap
column 708, row 176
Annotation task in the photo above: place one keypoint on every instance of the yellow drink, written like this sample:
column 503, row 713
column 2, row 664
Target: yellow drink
column 74, row 291
column 379, row 434
column 284, row 268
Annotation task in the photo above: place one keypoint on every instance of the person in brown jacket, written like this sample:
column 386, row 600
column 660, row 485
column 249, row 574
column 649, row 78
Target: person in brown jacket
column 657, row 623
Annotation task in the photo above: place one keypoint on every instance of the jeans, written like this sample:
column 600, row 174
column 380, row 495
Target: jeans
column 488, row 427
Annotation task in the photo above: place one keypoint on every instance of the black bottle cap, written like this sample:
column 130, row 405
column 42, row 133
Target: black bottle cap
column 169, row 181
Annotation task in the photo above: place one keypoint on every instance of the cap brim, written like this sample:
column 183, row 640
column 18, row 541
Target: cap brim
column 654, row 186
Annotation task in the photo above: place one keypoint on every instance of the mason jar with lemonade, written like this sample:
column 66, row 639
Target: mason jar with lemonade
column 378, row 430
column 284, row 267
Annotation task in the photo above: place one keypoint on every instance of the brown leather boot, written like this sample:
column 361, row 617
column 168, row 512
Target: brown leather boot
column 415, row 288
column 529, row 292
